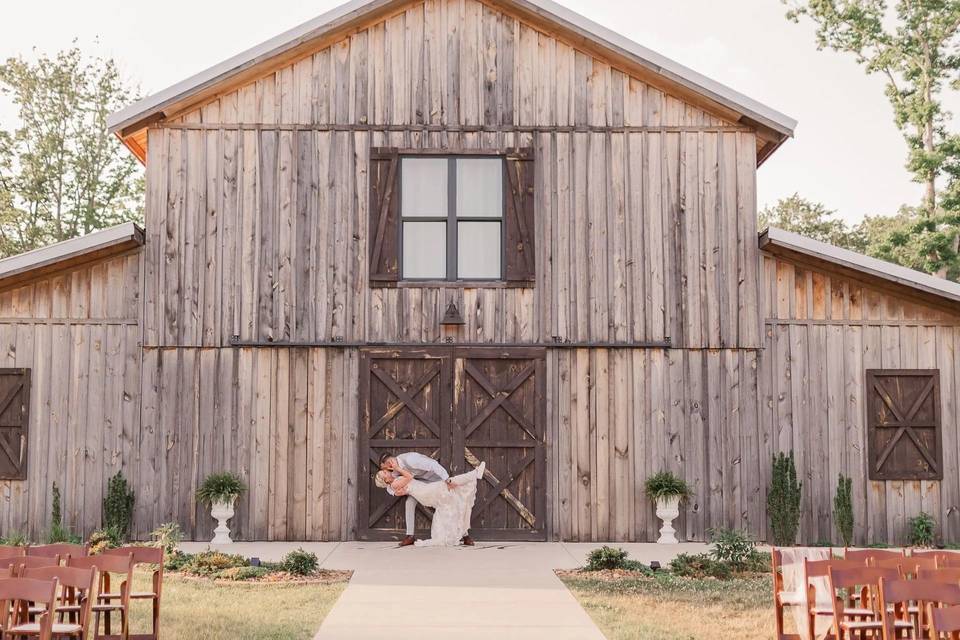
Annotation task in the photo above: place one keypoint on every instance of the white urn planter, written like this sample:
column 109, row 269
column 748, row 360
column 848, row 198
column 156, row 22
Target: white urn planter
column 222, row 511
column 668, row 510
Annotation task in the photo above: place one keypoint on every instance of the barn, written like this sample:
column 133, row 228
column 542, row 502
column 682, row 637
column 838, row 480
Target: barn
column 482, row 230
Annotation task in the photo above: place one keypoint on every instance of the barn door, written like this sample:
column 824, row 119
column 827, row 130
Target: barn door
column 405, row 406
column 458, row 406
column 500, row 413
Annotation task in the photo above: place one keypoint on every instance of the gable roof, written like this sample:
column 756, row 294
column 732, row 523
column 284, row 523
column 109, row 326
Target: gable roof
column 781, row 241
column 89, row 248
column 339, row 20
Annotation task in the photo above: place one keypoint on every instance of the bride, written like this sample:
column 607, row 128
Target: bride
column 452, row 503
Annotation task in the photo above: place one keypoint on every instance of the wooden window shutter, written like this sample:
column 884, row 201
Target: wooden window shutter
column 903, row 424
column 14, row 422
column 519, row 217
column 384, row 215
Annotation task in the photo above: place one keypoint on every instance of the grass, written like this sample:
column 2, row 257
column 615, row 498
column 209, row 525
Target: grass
column 226, row 611
column 665, row 607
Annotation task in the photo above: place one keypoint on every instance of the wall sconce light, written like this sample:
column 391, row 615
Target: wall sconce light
column 452, row 316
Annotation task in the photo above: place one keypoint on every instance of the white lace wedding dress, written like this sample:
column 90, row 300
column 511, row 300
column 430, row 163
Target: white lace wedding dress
column 452, row 507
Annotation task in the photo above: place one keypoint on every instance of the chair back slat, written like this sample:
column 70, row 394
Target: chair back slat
column 38, row 591
column 941, row 574
column 29, row 562
column 821, row 568
column 71, row 577
column 945, row 621
column 62, row 549
column 10, row 551
column 864, row 555
column 105, row 563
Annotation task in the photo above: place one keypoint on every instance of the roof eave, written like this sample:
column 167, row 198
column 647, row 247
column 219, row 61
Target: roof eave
column 138, row 115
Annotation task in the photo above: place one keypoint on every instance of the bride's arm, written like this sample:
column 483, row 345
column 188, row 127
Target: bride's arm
column 399, row 485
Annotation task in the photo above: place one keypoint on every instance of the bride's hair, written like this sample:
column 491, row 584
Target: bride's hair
column 379, row 481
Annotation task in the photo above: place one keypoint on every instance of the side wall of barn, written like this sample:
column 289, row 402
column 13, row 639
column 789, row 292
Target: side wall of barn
column 823, row 331
column 79, row 334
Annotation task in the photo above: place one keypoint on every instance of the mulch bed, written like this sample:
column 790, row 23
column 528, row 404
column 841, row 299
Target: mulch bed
column 324, row 576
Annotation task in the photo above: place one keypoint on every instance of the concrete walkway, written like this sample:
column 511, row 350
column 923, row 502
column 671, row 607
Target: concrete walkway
column 505, row 591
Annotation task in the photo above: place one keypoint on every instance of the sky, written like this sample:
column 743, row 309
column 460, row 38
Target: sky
column 847, row 153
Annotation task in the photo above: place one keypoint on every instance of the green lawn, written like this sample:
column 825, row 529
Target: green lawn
column 227, row 611
column 670, row 608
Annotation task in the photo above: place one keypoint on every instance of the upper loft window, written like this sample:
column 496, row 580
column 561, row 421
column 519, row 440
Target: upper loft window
column 452, row 218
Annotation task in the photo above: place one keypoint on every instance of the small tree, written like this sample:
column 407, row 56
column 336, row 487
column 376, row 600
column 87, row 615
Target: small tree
column 118, row 507
column 783, row 500
column 843, row 509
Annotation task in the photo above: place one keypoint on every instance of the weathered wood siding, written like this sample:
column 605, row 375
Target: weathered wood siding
column 617, row 416
column 257, row 212
column 284, row 419
column 79, row 334
column 823, row 331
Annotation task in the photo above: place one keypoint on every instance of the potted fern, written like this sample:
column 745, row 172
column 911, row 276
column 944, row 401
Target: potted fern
column 667, row 491
column 220, row 491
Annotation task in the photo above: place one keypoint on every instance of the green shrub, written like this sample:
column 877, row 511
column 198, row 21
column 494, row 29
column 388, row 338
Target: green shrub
column 731, row 546
column 168, row 537
column 243, row 573
column 666, row 485
column 606, row 558
column 843, row 509
column 209, row 563
column 59, row 533
column 700, row 565
column 14, row 539
column 103, row 539
column 783, row 500
column 118, row 507
column 300, row 563
column 922, row 530
column 220, row 487
column 177, row 560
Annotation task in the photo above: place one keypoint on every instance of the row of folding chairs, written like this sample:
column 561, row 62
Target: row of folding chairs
column 89, row 592
column 867, row 593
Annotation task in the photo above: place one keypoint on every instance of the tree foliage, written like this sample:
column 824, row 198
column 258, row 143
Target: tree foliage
column 914, row 45
column 61, row 173
column 813, row 220
column 783, row 500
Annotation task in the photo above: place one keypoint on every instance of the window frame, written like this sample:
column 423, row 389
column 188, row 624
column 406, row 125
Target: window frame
column 451, row 259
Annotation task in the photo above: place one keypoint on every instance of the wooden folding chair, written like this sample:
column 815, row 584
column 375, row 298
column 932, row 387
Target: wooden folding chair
column 71, row 613
column 61, row 550
column 948, row 559
column 16, row 595
column 813, row 569
column 122, row 568
column 10, row 551
column 150, row 556
column 782, row 597
column 866, row 555
column 864, row 621
column 944, row 622
column 899, row 599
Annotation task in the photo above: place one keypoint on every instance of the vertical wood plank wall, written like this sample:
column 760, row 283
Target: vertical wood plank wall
column 823, row 331
column 256, row 205
column 79, row 333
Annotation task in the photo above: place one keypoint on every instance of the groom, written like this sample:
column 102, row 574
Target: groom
column 425, row 469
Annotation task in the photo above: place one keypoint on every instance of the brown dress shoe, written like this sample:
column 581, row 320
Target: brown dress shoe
column 467, row 541
column 407, row 541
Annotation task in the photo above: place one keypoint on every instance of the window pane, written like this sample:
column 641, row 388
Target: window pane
column 480, row 187
column 424, row 187
column 424, row 249
column 478, row 250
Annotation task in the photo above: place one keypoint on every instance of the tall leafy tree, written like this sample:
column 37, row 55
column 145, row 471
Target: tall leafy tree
column 61, row 173
column 813, row 220
column 914, row 46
